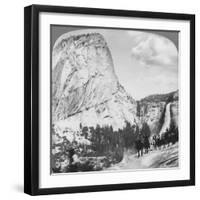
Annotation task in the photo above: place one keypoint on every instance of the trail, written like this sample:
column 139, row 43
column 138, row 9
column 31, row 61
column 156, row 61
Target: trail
column 164, row 158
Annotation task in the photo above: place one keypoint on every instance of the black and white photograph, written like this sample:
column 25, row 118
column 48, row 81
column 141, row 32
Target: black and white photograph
column 114, row 99
column 109, row 99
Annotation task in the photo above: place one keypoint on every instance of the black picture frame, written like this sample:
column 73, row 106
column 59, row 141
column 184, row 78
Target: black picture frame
column 31, row 98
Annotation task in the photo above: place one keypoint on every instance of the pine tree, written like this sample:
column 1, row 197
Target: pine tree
column 85, row 132
column 145, row 131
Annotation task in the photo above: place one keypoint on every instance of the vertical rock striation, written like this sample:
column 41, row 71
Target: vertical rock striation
column 85, row 87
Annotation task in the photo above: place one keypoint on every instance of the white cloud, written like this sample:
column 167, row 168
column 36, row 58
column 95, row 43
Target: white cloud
column 154, row 50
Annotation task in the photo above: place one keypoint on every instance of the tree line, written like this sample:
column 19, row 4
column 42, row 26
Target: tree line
column 107, row 143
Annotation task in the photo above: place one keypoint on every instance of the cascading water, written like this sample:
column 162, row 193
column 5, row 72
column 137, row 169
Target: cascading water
column 167, row 120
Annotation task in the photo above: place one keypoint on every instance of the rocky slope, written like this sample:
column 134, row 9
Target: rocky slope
column 85, row 87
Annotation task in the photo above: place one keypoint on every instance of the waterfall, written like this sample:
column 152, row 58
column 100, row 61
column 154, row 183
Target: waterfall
column 167, row 120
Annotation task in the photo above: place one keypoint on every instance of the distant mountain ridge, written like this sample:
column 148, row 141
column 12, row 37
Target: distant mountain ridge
column 161, row 97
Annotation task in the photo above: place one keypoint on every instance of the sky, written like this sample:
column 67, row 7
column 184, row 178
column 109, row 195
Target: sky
column 145, row 62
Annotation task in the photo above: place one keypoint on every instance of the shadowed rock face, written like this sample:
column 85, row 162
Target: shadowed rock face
column 85, row 88
column 174, row 113
column 152, row 110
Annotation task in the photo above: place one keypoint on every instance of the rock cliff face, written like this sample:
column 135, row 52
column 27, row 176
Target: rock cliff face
column 159, row 111
column 85, row 87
